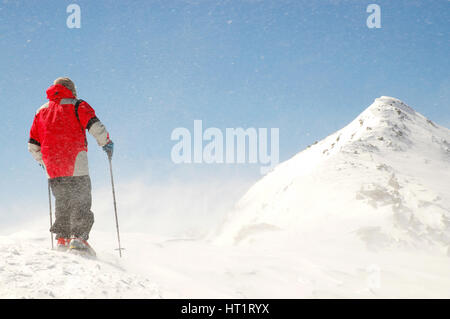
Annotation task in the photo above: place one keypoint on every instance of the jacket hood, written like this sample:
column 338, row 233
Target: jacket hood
column 57, row 92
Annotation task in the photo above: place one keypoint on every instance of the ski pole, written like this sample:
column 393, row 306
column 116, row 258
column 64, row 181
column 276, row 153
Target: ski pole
column 50, row 207
column 115, row 206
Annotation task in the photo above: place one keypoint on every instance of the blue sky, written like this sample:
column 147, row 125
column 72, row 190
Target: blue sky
column 147, row 67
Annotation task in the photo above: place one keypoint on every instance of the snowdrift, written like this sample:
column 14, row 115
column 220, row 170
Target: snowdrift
column 384, row 179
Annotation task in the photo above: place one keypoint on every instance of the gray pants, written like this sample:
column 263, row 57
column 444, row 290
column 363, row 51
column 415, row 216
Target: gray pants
column 73, row 206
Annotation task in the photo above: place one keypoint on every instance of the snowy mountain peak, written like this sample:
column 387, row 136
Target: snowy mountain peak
column 387, row 124
column 383, row 178
column 386, row 102
column 388, row 112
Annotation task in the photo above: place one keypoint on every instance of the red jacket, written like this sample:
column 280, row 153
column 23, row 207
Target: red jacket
column 58, row 137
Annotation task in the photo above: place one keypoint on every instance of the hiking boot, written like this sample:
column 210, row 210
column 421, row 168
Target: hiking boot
column 82, row 246
column 62, row 244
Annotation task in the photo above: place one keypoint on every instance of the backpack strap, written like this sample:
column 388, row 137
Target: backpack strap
column 77, row 104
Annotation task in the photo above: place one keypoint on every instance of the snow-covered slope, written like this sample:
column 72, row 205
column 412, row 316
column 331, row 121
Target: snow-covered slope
column 384, row 178
column 29, row 269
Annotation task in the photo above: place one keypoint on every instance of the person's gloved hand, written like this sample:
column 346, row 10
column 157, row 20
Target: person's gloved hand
column 109, row 149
